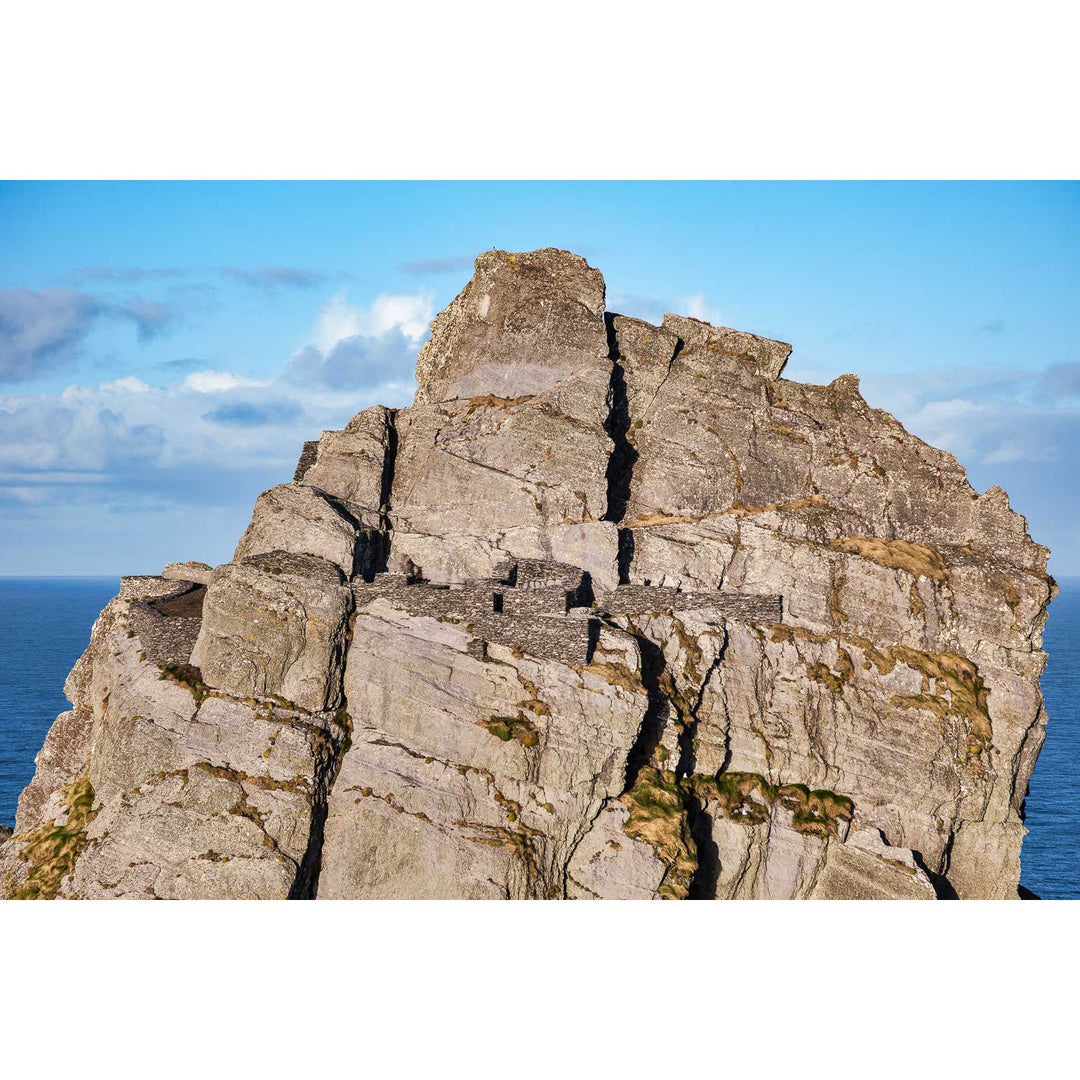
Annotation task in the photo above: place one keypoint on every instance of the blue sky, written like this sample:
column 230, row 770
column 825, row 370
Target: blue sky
column 166, row 348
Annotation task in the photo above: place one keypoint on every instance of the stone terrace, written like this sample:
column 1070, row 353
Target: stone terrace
column 545, row 608
column 166, row 614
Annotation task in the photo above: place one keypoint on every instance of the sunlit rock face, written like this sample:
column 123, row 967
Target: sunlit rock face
column 612, row 611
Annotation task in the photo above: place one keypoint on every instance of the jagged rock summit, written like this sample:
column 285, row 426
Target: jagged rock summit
column 613, row 610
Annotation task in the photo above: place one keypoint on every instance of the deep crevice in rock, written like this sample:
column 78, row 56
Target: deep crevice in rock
column 330, row 748
column 657, row 711
column 389, row 463
column 943, row 887
column 620, row 466
column 386, row 488
column 704, row 882
column 625, row 557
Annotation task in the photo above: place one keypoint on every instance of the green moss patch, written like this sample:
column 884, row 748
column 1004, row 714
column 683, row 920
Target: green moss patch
column 517, row 728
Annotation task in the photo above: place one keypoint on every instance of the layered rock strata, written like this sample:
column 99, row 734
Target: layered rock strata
column 613, row 610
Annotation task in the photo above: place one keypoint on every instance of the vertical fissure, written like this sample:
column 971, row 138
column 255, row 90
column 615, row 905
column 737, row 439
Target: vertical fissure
column 662, row 700
column 657, row 710
column 706, row 877
column 330, row 747
column 620, row 466
column 389, row 462
column 386, row 488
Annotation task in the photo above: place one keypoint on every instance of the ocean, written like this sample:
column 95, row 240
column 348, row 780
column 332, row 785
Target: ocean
column 45, row 625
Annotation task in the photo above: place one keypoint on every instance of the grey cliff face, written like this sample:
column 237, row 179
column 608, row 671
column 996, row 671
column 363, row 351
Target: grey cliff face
column 520, row 325
column 612, row 611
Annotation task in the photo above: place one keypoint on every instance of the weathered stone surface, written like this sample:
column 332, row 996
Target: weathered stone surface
column 471, row 778
column 904, row 673
column 710, row 348
column 218, row 805
column 610, row 865
column 811, row 668
column 351, row 464
column 523, row 322
column 775, row 862
column 302, row 520
column 480, row 478
column 156, row 787
column 59, row 761
column 274, row 625
column 198, row 572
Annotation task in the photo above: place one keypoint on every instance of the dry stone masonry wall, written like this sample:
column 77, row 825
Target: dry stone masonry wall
column 613, row 610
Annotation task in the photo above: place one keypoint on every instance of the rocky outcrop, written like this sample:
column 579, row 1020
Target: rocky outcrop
column 274, row 626
column 612, row 611
column 523, row 323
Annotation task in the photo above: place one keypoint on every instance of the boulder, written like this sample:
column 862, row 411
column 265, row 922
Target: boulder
column 468, row 777
column 482, row 478
column 523, row 322
column 274, row 626
column 302, row 520
column 352, row 465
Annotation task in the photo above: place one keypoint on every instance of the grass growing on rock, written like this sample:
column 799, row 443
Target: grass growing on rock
column 920, row 560
column 53, row 850
column 658, row 817
column 187, row 676
column 744, row 797
column 749, row 798
column 958, row 690
column 517, row 728
column 951, row 683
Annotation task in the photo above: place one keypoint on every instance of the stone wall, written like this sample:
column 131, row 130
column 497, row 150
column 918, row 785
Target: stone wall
column 549, row 637
column 165, row 639
column 528, row 606
column 151, row 586
column 649, row 599
column 550, row 601
column 167, row 623
column 307, row 459
column 539, row 626
column 198, row 572
column 533, row 574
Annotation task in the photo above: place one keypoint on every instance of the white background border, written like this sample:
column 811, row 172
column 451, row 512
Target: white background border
column 552, row 90
column 828, row 90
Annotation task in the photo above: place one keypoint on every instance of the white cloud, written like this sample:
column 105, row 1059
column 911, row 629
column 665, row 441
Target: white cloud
column 409, row 313
column 214, row 382
column 696, row 307
column 43, row 330
column 337, row 320
column 128, row 384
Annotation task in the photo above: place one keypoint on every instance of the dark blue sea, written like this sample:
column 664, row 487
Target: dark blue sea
column 45, row 625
